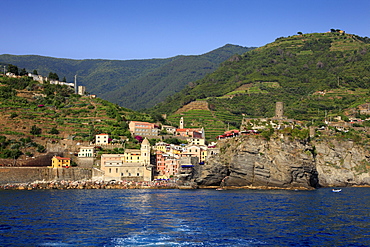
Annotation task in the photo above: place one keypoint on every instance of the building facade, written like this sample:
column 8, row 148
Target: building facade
column 102, row 139
column 86, row 152
column 144, row 129
column 60, row 162
column 132, row 165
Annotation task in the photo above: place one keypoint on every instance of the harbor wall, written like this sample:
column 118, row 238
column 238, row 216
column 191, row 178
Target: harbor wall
column 31, row 174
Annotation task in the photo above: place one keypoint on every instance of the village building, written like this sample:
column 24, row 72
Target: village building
column 86, row 152
column 38, row 78
column 81, row 90
column 60, row 162
column 161, row 146
column 166, row 165
column 132, row 165
column 102, row 139
column 195, row 151
column 144, row 129
column 228, row 134
column 169, row 129
column 186, row 165
column 194, row 136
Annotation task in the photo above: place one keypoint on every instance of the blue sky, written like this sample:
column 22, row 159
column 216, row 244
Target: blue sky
column 144, row 29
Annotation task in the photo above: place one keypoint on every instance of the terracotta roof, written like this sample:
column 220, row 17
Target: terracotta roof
column 62, row 158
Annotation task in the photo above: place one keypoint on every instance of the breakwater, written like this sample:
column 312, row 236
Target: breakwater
column 89, row 184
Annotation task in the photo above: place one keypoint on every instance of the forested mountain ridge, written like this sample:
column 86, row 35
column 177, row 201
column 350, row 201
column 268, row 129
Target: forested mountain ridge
column 172, row 77
column 290, row 69
column 133, row 84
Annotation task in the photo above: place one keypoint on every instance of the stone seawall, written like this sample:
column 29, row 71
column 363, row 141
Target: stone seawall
column 31, row 174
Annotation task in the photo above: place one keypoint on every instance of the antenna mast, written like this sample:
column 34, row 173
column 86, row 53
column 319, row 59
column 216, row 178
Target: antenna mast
column 75, row 84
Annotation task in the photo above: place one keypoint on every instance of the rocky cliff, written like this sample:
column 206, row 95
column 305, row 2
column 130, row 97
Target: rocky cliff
column 342, row 163
column 285, row 163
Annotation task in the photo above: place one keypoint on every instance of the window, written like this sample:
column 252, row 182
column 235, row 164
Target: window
column 138, row 174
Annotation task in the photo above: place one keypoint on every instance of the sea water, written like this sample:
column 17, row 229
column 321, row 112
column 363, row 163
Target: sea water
column 185, row 218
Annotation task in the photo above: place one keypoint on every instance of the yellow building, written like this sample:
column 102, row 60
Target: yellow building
column 132, row 165
column 161, row 146
column 60, row 162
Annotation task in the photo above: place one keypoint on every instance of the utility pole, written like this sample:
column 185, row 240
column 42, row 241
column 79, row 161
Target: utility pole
column 76, row 84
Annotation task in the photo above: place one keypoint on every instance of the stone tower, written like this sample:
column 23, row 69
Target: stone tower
column 145, row 159
column 145, row 151
column 279, row 110
column 181, row 123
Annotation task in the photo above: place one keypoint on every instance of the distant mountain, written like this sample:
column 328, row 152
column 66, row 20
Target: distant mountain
column 134, row 84
column 316, row 75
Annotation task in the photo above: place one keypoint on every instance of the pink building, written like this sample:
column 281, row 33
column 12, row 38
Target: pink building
column 143, row 129
column 166, row 166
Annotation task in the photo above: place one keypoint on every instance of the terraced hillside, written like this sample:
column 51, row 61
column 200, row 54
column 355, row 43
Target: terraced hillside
column 294, row 70
column 35, row 114
column 199, row 119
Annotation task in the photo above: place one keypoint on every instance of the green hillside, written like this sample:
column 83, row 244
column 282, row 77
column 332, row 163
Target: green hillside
column 292, row 70
column 134, row 84
column 33, row 115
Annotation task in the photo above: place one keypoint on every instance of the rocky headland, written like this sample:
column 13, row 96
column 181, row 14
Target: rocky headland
column 255, row 162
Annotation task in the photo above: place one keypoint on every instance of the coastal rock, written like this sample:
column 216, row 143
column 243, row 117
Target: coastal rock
column 342, row 163
column 286, row 163
column 251, row 161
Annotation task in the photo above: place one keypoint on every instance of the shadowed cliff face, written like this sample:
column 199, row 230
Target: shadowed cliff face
column 286, row 163
column 250, row 161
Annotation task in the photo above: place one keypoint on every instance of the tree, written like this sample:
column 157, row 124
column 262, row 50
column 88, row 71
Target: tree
column 41, row 148
column 35, row 130
column 23, row 72
column 13, row 69
column 35, row 72
column 54, row 131
column 299, row 33
column 64, row 79
column 13, row 115
column 53, row 76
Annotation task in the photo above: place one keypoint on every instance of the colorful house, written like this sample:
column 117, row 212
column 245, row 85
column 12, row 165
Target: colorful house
column 60, row 162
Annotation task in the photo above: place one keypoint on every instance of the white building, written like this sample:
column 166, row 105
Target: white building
column 86, row 152
column 102, row 139
column 81, row 90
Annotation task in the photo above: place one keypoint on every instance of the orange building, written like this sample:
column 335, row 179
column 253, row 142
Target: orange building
column 60, row 162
